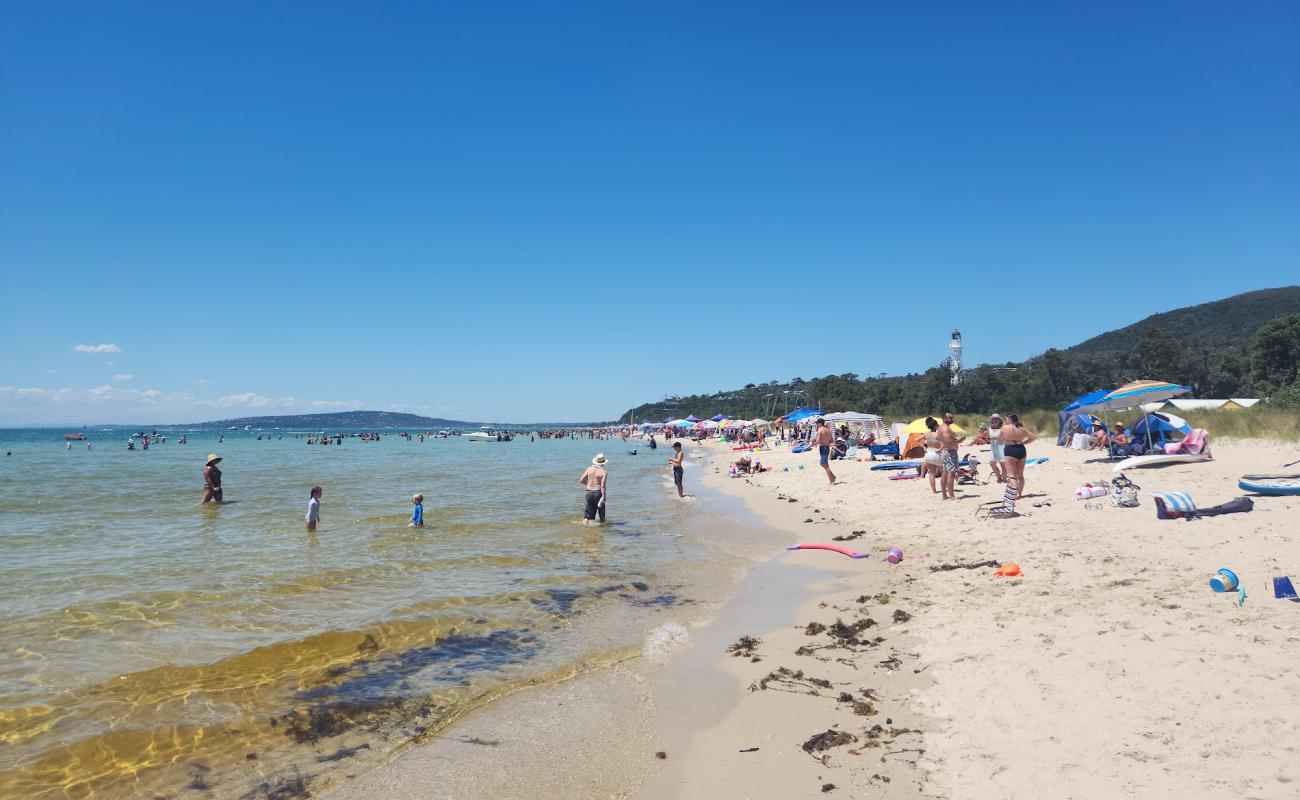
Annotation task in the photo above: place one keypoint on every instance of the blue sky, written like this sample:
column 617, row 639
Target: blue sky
column 525, row 212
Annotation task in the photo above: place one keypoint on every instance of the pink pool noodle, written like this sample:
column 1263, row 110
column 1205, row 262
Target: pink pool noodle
column 840, row 550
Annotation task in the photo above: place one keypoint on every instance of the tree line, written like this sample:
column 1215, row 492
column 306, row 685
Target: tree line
column 1266, row 366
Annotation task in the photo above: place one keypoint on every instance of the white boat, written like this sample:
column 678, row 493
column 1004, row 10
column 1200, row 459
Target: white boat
column 483, row 434
column 1156, row 460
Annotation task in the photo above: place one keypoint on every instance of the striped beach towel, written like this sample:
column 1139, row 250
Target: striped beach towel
column 1174, row 505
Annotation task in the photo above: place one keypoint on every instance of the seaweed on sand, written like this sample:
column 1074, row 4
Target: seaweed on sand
column 786, row 680
column 970, row 565
column 746, row 646
column 827, row 739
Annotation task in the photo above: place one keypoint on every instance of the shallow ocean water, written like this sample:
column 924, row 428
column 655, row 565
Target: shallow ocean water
column 153, row 645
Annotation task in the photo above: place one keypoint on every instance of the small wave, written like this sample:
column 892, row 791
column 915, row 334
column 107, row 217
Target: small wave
column 663, row 639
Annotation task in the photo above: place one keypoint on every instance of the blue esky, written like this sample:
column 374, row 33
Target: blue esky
column 525, row 212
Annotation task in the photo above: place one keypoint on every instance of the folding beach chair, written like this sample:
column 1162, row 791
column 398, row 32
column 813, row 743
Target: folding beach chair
column 1004, row 509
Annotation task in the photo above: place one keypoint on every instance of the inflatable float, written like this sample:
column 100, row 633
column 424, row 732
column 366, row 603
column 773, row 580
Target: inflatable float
column 834, row 548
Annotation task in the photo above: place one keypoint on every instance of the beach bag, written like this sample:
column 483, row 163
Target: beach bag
column 1091, row 490
column 1124, row 493
column 1174, row 505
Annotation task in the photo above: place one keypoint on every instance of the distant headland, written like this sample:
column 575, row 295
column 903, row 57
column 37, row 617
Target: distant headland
column 357, row 420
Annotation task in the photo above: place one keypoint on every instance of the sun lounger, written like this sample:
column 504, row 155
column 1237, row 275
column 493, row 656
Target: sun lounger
column 1003, row 509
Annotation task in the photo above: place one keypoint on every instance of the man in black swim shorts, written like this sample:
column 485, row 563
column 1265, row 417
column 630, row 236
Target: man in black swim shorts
column 823, row 439
column 676, row 463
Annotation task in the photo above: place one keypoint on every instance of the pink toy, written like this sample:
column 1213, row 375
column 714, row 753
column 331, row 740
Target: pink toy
column 895, row 555
column 842, row 551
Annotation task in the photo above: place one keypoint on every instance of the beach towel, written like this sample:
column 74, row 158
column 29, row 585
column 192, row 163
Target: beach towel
column 1192, row 445
column 1174, row 505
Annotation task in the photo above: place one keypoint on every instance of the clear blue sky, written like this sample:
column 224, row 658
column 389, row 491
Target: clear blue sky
column 546, row 211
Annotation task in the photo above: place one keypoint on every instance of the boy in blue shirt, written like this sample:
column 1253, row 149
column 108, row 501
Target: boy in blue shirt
column 417, row 514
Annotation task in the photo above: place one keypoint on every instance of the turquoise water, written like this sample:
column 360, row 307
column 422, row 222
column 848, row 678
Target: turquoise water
column 155, row 644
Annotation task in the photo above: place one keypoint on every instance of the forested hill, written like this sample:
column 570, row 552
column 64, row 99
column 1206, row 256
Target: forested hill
column 1242, row 346
column 1223, row 323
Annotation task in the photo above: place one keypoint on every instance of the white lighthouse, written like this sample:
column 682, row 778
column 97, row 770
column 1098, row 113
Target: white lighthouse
column 955, row 359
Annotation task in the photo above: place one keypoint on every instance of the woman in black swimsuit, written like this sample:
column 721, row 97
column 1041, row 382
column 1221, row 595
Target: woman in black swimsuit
column 1014, row 437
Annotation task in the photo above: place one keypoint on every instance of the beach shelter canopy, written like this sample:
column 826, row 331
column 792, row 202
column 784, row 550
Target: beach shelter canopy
column 1088, row 399
column 692, row 418
column 717, row 417
column 852, row 416
column 1063, row 426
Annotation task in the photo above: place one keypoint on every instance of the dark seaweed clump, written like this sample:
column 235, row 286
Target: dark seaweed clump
column 828, row 739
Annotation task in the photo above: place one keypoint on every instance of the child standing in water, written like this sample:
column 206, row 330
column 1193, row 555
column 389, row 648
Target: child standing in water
column 417, row 513
column 313, row 508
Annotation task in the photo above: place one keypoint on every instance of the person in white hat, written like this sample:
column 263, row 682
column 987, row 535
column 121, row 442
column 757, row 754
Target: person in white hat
column 212, row 479
column 595, row 479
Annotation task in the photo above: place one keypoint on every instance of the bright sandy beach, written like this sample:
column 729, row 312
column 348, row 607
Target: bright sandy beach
column 1109, row 668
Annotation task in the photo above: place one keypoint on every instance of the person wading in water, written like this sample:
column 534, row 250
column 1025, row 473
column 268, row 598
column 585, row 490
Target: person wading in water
column 212, row 479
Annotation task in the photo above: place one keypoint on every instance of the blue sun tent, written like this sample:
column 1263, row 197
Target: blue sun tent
column 1065, row 427
column 1163, row 428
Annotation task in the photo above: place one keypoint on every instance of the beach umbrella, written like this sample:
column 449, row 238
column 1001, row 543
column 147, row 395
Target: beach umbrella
column 756, row 422
column 682, row 423
column 802, row 414
column 918, row 426
column 1133, row 395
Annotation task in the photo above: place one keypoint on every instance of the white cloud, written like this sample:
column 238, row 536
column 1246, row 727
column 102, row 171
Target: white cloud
column 97, row 348
column 202, row 381
column 336, row 405
column 50, row 371
column 255, row 400
column 123, row 378
column 409, row 408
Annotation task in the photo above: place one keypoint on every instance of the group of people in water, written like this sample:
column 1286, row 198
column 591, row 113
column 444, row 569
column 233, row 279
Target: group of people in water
column 212, row 493
column 595, row 483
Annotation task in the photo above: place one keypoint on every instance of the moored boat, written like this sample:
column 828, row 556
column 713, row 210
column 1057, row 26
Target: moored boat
column 75, row 437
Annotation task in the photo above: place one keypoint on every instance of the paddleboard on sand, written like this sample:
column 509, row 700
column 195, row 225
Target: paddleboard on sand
column 1157, row 460
column 1276, row 485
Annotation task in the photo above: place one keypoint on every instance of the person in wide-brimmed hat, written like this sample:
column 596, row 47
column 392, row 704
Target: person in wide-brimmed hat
column 594, row 478
column 212, row 479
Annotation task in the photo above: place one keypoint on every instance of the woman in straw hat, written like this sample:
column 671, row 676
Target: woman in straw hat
column 212, row 479
column 594, row 478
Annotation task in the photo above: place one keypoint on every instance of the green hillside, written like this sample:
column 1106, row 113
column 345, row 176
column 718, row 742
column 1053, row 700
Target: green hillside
column 1222, row 323
column 1242, row 346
